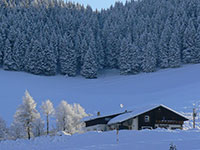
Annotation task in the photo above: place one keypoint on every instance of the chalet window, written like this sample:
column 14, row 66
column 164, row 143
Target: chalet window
column 107, row 119
column 130, row 122
column 146, row 118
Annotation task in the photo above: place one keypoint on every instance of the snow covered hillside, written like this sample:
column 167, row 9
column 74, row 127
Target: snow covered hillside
column 176, row 88
column 128, row 140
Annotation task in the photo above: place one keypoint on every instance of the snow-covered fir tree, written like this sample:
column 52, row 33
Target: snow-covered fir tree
column 149, row 56
column 68, row 57
column 1, row 50
column 8, row 62
column 189, row 51
column 1, row 57
column 174, row 51
column 163, row 55
column 125, row 57
column 135, row 63
column 90, row 65
column 41, row 59
column 60, row 37
column 26, row 116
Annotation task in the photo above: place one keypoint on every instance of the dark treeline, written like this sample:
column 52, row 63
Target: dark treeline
column 50, row 36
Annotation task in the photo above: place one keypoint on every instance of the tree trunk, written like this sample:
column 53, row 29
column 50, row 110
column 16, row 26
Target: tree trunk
column 64, row 124
column 29, row 134
column 47, row 124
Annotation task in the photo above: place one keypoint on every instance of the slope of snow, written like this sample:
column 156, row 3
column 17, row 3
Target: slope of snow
column 176, row 88
column 127, row 140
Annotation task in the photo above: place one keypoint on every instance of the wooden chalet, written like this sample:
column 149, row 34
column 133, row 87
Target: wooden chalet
column 151, row 117
column 157, row 116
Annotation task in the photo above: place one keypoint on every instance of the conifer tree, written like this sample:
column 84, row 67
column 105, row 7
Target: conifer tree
column 90, row 66
column 19, row 49
column 125, row 57
column 34, row 57
column 8, row 62
column 49, row 60
column 100, row 53
column 1, row 58
column 135, row 63
column 1, row 50
column 189, row 50
column 54, row 37
column 149, row 56
column 174, row 51
column 68, row 57
column 26, row 115
column 164, row 46
column 41, row 59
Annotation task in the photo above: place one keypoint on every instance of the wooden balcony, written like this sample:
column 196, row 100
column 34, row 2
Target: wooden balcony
column 169, row 122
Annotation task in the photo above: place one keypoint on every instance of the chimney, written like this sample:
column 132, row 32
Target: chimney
column 98, row 113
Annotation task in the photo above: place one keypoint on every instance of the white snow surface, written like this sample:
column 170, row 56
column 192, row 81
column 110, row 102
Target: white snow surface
column 127, row 140
column 176, row 88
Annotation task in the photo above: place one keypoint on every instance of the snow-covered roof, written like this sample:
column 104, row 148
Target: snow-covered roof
column 92, row 117
column 138, row 112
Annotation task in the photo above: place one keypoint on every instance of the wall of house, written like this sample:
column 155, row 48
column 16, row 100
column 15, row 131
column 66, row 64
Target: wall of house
column 159, row 114
column 142, row 124
column 135, row 124
column 101, row 127
column 168, row 126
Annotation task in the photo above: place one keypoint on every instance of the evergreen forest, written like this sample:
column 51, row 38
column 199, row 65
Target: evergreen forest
column 49, row 37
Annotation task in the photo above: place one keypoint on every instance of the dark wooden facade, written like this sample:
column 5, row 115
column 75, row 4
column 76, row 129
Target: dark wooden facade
column 157, row 117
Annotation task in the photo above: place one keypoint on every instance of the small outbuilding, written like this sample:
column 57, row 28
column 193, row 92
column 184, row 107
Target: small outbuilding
column 100, row 123
column 150, row 117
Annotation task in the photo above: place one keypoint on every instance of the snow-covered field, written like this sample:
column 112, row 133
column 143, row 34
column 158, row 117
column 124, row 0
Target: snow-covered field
column 127, row 140
column 176, row 88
